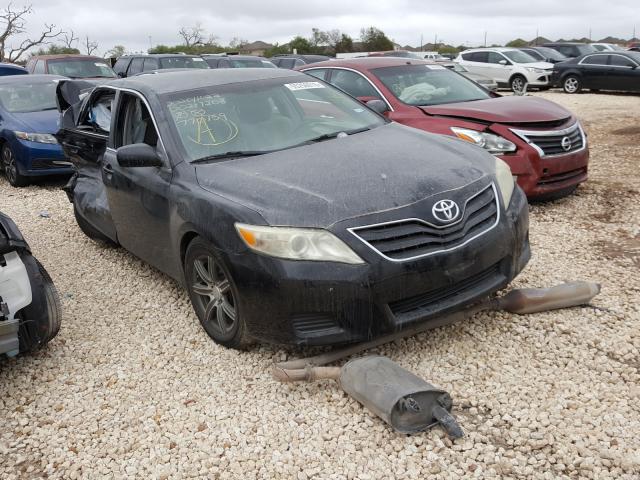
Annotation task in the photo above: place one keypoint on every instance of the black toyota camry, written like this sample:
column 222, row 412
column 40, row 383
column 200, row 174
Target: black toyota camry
column 291, row 212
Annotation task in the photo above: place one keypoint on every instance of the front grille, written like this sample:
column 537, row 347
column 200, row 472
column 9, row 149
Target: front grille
column 413, row 238
column 561, row 177
column 435, row 300
column 47, row 163
column 551, row 142
column 313, row 324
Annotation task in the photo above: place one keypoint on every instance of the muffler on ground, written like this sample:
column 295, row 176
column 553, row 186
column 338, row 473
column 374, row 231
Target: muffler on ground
column 403, row 400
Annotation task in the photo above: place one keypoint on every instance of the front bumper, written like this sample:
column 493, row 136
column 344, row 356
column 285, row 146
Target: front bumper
column 540, row 176
column 315, row 303
column 38, row 159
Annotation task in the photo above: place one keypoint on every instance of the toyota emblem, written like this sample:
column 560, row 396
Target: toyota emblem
column 566, row 144
column 445, row 210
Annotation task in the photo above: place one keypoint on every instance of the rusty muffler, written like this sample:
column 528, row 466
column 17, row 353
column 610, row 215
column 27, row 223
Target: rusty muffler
column 400, row 398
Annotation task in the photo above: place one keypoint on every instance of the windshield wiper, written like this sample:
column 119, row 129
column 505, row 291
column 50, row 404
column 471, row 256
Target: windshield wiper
column 329, row 136
column 234, row 154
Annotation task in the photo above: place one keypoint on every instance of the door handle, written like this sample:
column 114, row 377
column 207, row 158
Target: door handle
column 107, row 169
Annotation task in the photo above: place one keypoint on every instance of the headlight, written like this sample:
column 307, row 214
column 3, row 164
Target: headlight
column 535, row 70
column 297, row 243
column 488, row 141
column 36, row 137
column 506, row 182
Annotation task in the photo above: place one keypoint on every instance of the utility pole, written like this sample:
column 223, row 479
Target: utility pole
column 421, row 43
column 589, row 33
column 537, row 37
column 150, row 44
column 485, row 38
column 435, row 42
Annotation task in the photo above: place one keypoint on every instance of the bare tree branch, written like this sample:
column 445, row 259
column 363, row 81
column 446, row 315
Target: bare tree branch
column 13, row 21
column 90, row 46
column 50, row 32
column 69, row 40
column 192, row 36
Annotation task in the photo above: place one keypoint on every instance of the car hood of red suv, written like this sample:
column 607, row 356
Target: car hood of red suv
column 511, row 109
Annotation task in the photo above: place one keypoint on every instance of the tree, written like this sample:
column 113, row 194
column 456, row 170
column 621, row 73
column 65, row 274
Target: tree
column 192, row 35
column 90, row 46
column 374, row 39
column 277, row 50
column 318, row 39
column 300, row 45
column 237, row 43
column 116, row 52
column 69, row 40
column 12, row 23
column 345, row 44
column 57, row 50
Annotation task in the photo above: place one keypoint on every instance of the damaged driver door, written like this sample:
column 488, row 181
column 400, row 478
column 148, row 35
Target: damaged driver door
column 84, row 137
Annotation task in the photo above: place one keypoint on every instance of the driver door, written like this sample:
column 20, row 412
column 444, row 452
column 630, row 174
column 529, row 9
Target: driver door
column 138, row 196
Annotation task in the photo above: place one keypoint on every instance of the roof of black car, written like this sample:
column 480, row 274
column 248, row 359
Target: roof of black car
column 191, row 79
column 159, row 55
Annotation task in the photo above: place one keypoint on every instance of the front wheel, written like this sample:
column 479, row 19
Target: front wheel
column 572, row 84
column 214, row 295
column 518, row 84
column 10, row 168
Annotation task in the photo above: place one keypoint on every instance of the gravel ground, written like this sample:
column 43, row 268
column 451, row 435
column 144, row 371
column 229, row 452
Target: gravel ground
column 132, row 387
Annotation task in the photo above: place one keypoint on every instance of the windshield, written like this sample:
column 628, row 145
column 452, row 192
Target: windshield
column 429, row 85
column 81, row 68
column 251, row 63
column 261, row 116
column 183, row 62
column 28, row 98
column 517, row 56
column 584, row 49
column 552, row 54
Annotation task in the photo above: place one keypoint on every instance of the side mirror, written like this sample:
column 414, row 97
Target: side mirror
column 378, row 106
column 503, row 62
column 138, row 155
column 121, row 74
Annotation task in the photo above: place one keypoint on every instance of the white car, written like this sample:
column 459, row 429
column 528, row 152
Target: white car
column 508, row 67
column 607, row 47
column 435, row 56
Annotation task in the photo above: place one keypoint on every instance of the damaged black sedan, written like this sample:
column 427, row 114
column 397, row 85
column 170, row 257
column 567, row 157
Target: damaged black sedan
column 291, row 212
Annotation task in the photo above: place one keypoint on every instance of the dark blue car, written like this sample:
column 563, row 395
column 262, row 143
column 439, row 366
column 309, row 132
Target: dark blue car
column 11, row 69
column 28, row 119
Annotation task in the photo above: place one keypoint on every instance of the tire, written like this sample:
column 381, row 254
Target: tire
column 90, row 231
column 10, row 168
column 517, row 83
column 572, row 84
column 40, row 320
column 214, row 296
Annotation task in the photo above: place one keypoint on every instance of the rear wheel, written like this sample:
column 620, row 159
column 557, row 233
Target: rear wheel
column 10, row 168
column 214, row 295
column 518, row 84
column 40, row 320
column 572, row 84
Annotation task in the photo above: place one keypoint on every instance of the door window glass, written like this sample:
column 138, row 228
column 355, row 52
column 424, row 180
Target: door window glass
column 39, row 68
column 136, row 66
column 150, row 64
column 318, row 73
column 494, row 57
column 620, row 61
column 98, row 116
column 595, row 60
column 481, row 57
column 134, row 123
column 353, row 83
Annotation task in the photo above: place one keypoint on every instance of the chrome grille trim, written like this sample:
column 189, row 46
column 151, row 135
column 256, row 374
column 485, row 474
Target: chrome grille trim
column 576, row 127
column 492, row 186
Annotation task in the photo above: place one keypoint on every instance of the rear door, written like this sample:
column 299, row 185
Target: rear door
column 135, row 66
column 625, row 73
column 84, row 137
column 138, row 196
column 476, row 62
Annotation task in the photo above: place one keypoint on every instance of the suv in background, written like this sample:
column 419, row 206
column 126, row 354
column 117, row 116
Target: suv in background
column 607, row 47
column 71, row 66
column 544, row 54
column 571, row 49
column 508, row 67
column 237, row 61
column 292, row 61
column 129, row 65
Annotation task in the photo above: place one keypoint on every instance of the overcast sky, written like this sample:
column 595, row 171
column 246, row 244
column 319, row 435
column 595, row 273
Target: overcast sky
column 132, row 22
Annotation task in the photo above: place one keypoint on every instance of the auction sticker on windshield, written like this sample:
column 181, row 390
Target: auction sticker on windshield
column 303, row 86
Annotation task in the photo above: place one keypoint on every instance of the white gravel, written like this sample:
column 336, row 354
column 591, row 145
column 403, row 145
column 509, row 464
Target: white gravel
column 132, row 387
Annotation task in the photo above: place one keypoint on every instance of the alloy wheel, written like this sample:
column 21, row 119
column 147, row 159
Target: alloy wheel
column 9, row 165
column 571, row 85
column 517, row 85
column 212, row 290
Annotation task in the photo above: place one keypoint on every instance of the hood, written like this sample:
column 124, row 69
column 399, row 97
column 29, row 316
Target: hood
column 320, row 184
column 510, row 109
column 46, row 121
column 540, row 65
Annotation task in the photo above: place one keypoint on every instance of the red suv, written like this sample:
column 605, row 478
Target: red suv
column 543, row 143
column 71, row 65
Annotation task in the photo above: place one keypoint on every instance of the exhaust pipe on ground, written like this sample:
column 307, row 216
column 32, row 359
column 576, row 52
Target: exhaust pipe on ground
column 400, row 398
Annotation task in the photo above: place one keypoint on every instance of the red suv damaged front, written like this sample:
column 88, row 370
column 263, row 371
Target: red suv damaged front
column 542, row 142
